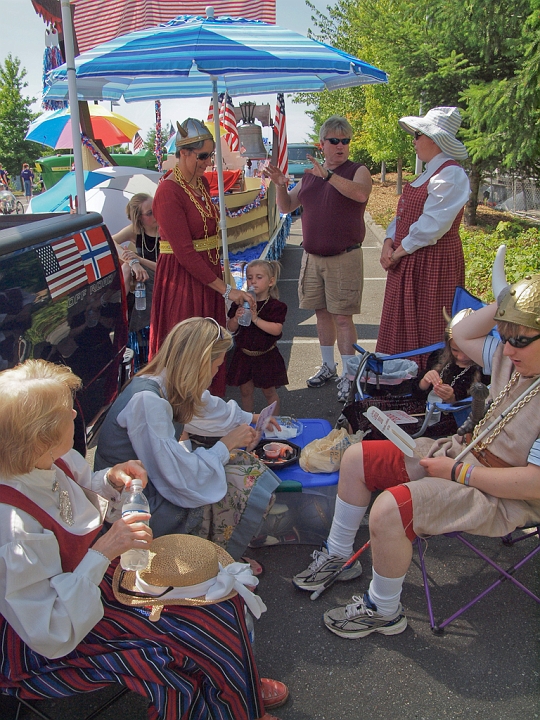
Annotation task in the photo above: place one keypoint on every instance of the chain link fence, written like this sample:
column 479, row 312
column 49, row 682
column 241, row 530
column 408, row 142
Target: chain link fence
column 511, row 194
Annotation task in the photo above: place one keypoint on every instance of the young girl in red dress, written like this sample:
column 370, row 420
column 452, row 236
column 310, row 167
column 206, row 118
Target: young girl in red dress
column 257, row 361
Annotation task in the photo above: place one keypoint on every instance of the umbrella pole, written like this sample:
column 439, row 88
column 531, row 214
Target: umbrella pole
column 67, row 25
column 221, row 185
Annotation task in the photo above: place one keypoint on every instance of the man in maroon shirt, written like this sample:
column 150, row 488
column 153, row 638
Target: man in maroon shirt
column 334, row 196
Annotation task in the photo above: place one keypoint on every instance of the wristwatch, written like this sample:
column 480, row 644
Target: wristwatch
column 227, row 293
column 329, row 175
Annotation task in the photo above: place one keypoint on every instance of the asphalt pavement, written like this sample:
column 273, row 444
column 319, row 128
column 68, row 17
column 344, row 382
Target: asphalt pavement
column 485, row 666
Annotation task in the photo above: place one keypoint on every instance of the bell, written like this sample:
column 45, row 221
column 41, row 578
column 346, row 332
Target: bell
column 251, row 138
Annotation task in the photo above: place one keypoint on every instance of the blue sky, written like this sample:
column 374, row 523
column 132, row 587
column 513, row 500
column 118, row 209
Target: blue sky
column 22, row 34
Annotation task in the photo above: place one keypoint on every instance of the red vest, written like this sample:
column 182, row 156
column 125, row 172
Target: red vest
column 72, row 547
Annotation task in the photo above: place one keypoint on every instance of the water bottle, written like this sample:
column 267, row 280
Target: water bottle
column 250, row 627
column 140, row 296
column 436, row 415
column 245, row 318
column 136, row 502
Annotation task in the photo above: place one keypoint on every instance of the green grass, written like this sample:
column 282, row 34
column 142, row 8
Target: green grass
column 480, row 245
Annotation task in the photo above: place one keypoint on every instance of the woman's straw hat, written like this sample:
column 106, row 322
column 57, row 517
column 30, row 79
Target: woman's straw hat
column 185, row 570
column 441, row 125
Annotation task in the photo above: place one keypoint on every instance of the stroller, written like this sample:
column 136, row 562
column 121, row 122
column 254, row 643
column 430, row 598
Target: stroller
column 388, row 383
column 9, row 203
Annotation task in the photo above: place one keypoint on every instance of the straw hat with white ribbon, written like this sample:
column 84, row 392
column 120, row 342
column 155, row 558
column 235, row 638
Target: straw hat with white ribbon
column 186, row 570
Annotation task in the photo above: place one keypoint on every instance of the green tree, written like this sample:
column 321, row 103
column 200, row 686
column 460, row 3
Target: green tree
column 15, row 117
column 448, row 52
column 151, row 139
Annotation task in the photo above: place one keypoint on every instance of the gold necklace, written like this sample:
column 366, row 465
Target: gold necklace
column 263, row 305
column 147, row 249
column 498, row 400
column 209, row 210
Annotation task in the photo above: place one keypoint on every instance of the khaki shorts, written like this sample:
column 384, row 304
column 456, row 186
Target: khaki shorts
column 333, row 283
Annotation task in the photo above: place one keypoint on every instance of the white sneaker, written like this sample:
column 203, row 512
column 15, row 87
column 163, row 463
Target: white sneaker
column 344, row 387
column 322, row 376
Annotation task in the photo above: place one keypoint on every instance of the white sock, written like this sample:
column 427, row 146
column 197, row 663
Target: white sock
column 347, row 519
column 327, row 352
column 344, row 359
column 385, row 593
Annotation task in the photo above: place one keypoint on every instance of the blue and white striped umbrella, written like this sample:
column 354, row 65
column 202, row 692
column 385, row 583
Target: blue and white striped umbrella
column 181, row 58
column 197, row 57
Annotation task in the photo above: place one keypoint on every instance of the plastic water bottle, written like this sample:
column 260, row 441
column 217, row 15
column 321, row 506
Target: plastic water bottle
column 250, row 627
column 140, row 296
column 436, row 416
column 245, row 318
column 136, row 502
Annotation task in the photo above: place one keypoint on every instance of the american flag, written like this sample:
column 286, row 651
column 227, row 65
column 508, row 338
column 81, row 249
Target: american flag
column 138, row 142
column 63, row 266
column 172, row 131
column 97, row 21
column 228, row 120
column 95, row 253
column 210, row 118
column 280, row 136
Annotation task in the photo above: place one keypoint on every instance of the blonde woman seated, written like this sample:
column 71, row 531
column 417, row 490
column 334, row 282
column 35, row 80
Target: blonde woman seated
column 157, row 409
column 61, row 629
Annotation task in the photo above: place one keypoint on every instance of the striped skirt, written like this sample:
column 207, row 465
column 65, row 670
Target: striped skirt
column 195, row 663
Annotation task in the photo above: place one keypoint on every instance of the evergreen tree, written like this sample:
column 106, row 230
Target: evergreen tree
column 15, row 117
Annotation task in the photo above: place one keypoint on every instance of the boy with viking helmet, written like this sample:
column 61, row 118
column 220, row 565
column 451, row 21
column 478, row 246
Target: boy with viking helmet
column 493, row 491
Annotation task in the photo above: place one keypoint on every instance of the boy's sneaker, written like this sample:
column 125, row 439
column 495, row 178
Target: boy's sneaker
column 360, row 618
column 322, row 567
column 322, row 376
column 344, row 387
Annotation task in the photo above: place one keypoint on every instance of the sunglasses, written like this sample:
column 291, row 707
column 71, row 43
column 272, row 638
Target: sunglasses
column 218, row 326
column 204, row 156
column 336, row 141
column 418, row 134
column 519, row 342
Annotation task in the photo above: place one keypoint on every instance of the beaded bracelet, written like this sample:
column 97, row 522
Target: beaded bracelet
column 454, row 470
column 227, row 293
column 133, row 261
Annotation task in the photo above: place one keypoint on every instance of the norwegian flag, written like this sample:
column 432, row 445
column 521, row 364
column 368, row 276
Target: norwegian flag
column 63, row 266
column 95, row 253
column 228, row 120
column 138, row 142
column 280, row 136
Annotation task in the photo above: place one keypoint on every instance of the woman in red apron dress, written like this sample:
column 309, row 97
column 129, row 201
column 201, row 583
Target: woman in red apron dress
column 422, row 252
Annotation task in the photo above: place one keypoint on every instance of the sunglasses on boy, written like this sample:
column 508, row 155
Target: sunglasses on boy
column 519, row 342
column 417, row 134
column 336, row 141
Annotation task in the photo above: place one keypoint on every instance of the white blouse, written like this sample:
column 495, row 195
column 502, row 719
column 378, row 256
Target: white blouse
column 186, row 478
column 49, row 609
column 448, row 191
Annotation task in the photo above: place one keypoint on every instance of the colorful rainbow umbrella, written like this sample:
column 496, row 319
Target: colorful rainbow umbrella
column 54, row 128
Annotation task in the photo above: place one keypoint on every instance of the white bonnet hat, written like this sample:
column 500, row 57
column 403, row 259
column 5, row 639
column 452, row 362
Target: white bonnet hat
column 441, row 125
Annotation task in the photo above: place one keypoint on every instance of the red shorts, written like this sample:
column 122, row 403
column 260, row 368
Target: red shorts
column 384, row 469
column 384, row 465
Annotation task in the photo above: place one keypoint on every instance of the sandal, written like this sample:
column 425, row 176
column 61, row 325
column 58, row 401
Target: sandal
column 256, row 567
column 274, row 693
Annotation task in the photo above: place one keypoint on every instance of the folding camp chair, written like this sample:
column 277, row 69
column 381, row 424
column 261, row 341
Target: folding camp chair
column 503, row 575
column 16, row 705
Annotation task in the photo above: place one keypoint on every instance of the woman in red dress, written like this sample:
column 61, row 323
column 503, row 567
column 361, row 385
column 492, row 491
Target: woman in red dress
column 189, row 280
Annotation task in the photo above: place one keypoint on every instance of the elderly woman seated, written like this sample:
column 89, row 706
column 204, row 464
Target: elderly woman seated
column 62, row 629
